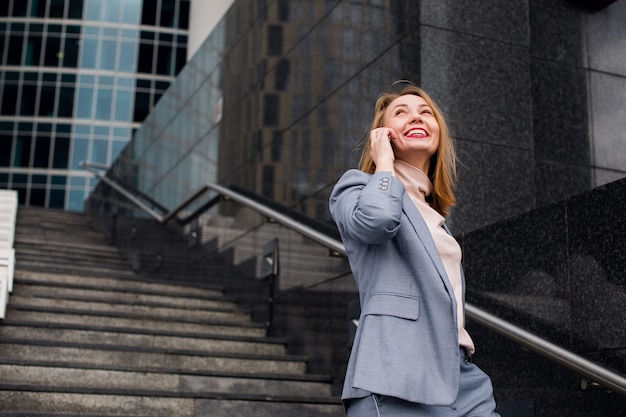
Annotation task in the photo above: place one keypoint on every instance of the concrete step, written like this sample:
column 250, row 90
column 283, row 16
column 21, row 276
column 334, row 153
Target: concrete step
column 26, row 302
column 135, row 285
column 121, row 297
column 149, row 359
column 87, row 337
column 112, row 323
column 20, row 402
column 60, row 378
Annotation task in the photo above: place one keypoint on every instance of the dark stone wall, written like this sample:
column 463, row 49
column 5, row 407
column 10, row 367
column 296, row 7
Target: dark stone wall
column 558, row 272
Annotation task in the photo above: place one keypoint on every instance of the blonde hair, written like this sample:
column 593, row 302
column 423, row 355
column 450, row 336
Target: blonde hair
column 442, row 171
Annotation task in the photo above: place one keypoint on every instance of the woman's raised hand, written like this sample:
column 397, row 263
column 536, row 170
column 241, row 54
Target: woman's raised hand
column 381, row 150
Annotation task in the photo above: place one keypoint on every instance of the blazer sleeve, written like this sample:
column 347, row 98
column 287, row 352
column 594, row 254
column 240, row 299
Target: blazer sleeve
column 367, row 207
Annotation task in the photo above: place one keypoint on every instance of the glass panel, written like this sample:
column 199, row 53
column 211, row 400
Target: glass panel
column 9, row 98
column 99, row 152
column 103, row 104
column 183, row 15
column 57, row 199
column 57, row 7
column 130, row 14
column 88, row 57
column 46, row 101
column 93, row 9
column 70, row 52
column 33, row 50
column 61, row 153
column 53, row 53
column 41, row 155
column 127, row 56
column 75, row 10
column 167, row 13
column 108, row 54
column 22, row 151
column 66, row 102
column 123, row 103
column 14, row 57
column 164, row 60
column 84, row 104
column 111, row 11
column 148, row 13
column 27, row 103
column 6, row 145
column 80, row 152
column 144, row 63
column 76, row 200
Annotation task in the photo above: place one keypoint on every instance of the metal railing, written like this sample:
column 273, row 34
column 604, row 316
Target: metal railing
column 585, row 368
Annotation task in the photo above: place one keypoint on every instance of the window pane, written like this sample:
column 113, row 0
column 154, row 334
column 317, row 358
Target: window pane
column 52, row 55
column 144, row 63
column 29, row 97
column 164, row 60
column 100, row 151
column 131, row 11
column 183, row 15
column 148, row 14
column 76, row 9
column 42, row 152
column 33, row 50
column 66, row 102
column 88, row 57
column 123, row 106
column 14, row 57
column 79, row 152
column 92, row 9
column 46, row 101
column 77, row 200
column 9, row 98
column 103, row 104
column 37, row 197
column 61, row 153
column 167, row 13
column 6, row 143
column 22, row 151
column 142, row 106
column 38, row 8
column 127, row 56
column 56, row 8
column 107, row 58
column 70, row 53
column 84, row 105
column 111, row 11
column 57, row 199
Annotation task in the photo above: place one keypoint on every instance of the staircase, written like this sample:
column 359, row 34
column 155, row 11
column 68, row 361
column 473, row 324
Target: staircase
column 86, row 336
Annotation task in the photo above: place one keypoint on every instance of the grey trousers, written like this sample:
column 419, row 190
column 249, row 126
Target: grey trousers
column 475, row 399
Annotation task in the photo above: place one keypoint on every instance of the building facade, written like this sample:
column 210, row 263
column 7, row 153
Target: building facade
column 77, row 78
column 280, row 96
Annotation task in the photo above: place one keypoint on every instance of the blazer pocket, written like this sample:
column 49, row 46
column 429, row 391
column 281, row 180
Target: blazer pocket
column 390, row 304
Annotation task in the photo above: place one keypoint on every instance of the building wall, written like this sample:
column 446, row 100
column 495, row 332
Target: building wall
column 280, row 97
column 77, row 77
column 531, row 88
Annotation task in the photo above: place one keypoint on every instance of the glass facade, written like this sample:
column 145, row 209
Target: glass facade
column 77, row 78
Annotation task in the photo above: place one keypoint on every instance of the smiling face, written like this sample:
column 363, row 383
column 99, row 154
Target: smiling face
column 415, row 137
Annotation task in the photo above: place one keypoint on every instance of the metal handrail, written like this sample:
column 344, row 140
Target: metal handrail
column 594, row 372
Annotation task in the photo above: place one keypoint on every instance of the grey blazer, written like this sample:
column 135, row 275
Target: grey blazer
column 406, row 344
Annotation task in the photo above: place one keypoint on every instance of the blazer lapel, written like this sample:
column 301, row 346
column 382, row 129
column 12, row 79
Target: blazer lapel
column 423, row 233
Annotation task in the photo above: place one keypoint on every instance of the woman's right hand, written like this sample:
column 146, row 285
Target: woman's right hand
column 381, row 150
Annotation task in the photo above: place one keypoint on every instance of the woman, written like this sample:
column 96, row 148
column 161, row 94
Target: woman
column 411, row 354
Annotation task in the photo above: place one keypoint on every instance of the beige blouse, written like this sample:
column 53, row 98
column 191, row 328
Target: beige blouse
column 418, row 186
